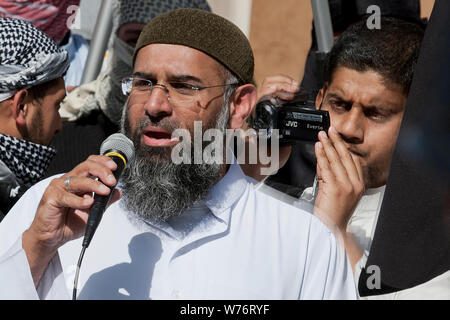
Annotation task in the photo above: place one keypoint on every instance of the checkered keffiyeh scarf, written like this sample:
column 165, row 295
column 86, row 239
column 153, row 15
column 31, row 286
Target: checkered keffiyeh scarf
column 28, row 57
column 27, row 160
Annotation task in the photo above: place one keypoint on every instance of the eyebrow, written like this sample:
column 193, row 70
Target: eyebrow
column 390, row 108
column 143, row 75
column 336, row 96
column 178, row 78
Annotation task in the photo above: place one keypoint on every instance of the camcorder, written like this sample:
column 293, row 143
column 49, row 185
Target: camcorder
column 296, row 119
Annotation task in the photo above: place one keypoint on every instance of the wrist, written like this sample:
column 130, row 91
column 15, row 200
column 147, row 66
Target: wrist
column 38, row 254
column 43, row 242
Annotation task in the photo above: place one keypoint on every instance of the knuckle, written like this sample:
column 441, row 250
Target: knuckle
column 348, row 189
column 91, row 158
column 55, row 182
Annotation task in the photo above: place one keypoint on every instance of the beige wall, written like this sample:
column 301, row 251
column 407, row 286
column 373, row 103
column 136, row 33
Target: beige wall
column 280, row 34
column 237, row 11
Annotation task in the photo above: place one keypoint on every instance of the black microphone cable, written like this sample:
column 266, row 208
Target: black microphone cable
column 77, row 273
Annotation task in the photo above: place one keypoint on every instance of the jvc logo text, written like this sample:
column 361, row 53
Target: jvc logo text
column 292, row 124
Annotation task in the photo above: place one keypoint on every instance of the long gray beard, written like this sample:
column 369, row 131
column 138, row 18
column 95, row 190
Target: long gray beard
column 155, row 189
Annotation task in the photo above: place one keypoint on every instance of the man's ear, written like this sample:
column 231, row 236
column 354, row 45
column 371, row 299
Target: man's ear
column 20, row 107
column 242, row 103
column 320, row 96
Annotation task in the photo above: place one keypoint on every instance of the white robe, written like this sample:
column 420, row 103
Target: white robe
column 362, row 225
column 247, row 245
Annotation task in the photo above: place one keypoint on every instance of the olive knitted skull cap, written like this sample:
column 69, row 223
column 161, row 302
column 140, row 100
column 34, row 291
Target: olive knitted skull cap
column 204, row 31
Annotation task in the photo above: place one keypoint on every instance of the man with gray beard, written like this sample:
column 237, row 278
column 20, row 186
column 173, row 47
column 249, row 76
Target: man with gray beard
column 180, row 231
column 154, row 187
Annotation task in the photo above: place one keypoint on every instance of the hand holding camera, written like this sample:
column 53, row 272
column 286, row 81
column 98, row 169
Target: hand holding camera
column 284, row 106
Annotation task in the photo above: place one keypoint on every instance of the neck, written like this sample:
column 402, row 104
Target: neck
column 9, row 128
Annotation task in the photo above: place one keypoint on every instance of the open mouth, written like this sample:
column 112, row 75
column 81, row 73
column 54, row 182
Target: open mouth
column 157, row 137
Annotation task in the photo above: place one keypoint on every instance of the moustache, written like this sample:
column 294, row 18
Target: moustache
column 166, row 125
column 357, row 152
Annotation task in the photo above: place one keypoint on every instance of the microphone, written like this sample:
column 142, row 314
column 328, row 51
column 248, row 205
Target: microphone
column 121, row 150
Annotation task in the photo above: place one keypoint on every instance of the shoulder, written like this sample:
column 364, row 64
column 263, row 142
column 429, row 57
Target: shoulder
column 280, row 204
column 293, row 217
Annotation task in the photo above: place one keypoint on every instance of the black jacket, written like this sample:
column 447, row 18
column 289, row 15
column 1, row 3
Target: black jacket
column 10, row 190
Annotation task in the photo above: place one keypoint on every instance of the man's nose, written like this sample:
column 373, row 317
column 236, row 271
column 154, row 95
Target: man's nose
column 158, row 105
column 351, row 126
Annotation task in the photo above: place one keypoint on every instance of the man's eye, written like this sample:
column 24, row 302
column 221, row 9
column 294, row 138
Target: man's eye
column 337, row 105
column 137, row 83
column 183, row 87
column 376, row 116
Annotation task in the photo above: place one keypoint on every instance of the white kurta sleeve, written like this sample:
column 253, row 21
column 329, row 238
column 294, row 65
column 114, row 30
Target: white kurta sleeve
column 328, row 274
column 15, row 276
column 16, row 281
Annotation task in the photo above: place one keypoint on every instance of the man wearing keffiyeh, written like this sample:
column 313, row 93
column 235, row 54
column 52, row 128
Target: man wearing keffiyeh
column 31, row 90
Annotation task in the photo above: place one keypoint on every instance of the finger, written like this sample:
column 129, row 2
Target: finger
column 324, row 171
column 71, row 88
column 333, row 158
column 77, row 220
column 358, row 166
column 277, row 87
column 97, row 167
column 280, row 78
column 100, row 159
column 83, row 214
column 64, row 199
column 344, row 155
column 318, row 170
column 83, row 185
column 283, row 95
column 284, row 86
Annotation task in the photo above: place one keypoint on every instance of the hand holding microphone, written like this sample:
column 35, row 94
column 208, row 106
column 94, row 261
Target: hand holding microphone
column 120, row 149
column 64, row 209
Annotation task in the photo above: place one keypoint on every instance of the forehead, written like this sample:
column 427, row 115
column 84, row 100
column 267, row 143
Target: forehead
column 57, row 91
column 366, row 87
column 170, row 59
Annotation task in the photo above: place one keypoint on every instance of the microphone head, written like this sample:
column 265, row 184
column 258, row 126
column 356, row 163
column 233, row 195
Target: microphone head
column 118, row 142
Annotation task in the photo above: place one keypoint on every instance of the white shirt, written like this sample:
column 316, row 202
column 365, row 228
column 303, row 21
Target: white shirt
column 364, row 219
column 243, row 245
column 362, row 226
